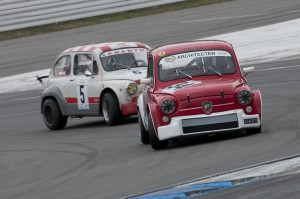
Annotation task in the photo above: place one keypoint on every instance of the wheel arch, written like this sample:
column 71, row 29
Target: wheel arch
column 152, row 108
column 54, row 93
column 258, row 102
column 104, row 91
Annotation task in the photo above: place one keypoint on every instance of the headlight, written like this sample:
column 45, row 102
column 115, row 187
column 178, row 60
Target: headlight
column 244, row 97
column 132, row 88
column 167, row 106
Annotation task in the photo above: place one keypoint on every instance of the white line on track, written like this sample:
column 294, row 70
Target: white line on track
column 23, row 98
column 222, row 18
column 277, row 68
column 280, row 167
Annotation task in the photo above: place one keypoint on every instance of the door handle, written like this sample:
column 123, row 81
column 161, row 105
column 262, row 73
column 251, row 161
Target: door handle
column 71, row 80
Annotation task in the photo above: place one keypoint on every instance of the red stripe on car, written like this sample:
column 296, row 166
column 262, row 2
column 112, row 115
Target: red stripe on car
column 71, row 100
column 105, row 48
column 94, row 100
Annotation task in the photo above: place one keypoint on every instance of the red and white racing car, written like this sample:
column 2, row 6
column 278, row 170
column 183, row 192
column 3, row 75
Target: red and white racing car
column 94, row 80
column 195, row 88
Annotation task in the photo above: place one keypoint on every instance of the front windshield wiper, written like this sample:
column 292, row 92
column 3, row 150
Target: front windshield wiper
column 210, row 68
column 187, row 75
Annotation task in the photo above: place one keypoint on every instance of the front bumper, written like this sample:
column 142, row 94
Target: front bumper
column 205, row 124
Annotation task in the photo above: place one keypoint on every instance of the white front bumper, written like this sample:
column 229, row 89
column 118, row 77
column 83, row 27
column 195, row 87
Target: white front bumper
column 202, row 124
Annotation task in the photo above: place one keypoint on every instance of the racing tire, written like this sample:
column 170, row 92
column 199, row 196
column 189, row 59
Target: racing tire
column 144, row 135
column 110, row 109
column 52, row 116
column 154, row 141
column 254, row 131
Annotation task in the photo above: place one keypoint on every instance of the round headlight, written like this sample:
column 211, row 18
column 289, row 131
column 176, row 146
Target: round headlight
column 167, row 106
column 132, row 88
column 244, row 97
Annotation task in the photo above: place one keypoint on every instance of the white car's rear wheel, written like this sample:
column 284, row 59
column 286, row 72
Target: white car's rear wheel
column 52, row 116
column 110, row 109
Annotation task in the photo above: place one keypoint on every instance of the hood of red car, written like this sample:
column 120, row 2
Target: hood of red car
column 202, row 88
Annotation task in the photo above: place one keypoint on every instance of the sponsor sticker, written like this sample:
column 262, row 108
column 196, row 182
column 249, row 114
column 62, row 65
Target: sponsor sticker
column 170, row 58
column 123, row 51
column 201, row 54
column 171, row 89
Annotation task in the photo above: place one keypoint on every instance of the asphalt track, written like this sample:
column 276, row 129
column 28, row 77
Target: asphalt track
column 91, row 160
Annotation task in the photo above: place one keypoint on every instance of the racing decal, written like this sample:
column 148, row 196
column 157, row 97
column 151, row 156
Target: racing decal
column 122, row 51
column 162, row 53
column 74, row 100
column 175, row 87
column 190, row 55
column 170, row 58
column 82, row 96
column 105, row 48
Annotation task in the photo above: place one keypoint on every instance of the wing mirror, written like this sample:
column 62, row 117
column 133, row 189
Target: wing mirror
column 88, row 73
column 248, row 70
column 143, row 81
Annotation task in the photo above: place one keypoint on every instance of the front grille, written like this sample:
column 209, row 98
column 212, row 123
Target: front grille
column 214, row 123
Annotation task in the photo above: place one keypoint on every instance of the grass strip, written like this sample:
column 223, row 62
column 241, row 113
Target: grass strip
column 13, row 34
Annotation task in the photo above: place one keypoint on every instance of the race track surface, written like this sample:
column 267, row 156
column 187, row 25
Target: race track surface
column 91, row 160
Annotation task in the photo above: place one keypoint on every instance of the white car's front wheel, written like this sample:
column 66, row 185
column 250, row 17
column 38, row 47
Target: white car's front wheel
column 110, row 109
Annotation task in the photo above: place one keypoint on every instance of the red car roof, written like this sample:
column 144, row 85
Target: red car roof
column 191, row 46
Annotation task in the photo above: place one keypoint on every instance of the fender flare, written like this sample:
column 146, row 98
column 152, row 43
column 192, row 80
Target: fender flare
column 152, row 107
column 141, row 109
column 258, row 102
column 55, row 93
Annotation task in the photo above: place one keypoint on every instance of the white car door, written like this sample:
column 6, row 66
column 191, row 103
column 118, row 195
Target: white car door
column 84, row 89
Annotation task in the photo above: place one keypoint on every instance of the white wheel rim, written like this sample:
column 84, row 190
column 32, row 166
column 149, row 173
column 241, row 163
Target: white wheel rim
column 105, row 108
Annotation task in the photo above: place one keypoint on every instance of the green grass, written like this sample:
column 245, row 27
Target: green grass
column 104, row 19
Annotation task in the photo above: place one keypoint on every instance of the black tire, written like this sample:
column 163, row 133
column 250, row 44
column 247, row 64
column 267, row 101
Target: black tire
column 144, row 135
column 154, row 141
column 52, row 116
column 254, row 131
column 110, row 109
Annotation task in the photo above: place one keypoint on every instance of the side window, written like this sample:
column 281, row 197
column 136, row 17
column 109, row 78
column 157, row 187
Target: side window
column 95, row 67
column 83, row 63
column 150, row 68
column 62, row 66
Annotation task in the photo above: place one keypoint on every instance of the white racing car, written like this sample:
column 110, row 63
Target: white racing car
column 94, row 80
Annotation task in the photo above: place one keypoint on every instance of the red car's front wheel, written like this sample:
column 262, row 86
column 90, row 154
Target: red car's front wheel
column 154, row 141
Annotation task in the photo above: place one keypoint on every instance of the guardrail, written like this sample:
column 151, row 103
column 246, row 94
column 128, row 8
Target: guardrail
column 16, row 14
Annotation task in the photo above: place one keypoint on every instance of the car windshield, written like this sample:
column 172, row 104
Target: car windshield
column 125, row 58
column 197, row 63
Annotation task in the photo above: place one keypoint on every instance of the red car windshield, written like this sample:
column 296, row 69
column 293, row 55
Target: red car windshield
column 197, row 63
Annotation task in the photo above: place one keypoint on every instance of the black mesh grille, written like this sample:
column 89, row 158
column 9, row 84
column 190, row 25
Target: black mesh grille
column 223, row 122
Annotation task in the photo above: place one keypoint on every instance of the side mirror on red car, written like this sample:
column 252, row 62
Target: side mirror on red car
column 143, row 81
column 248, row 70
